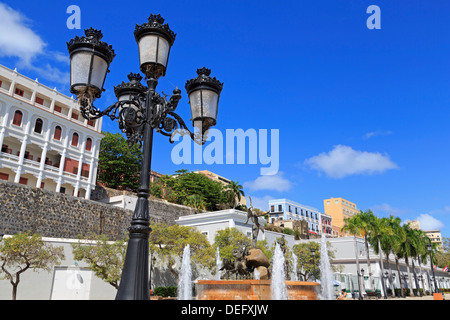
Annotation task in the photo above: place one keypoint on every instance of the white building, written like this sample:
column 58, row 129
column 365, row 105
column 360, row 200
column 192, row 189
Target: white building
column 210, row 222
column 285, row 209
column 45, row 141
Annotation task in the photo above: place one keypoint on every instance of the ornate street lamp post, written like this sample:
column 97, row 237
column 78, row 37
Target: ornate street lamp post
column 140, row 111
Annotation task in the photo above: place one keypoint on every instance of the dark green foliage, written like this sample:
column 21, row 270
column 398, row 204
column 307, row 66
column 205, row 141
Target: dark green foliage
column 165, row 292
column 118, row 165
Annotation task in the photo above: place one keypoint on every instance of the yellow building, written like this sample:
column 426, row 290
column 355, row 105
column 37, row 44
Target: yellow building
column 339, row 209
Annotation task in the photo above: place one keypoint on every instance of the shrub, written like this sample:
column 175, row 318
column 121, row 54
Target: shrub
column 165, row 292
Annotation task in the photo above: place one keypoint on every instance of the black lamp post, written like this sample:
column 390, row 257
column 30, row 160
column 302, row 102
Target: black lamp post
column 430, row 250
column 313, row 252
column 140, row 110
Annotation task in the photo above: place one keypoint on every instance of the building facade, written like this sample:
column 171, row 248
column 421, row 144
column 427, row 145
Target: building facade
column 284, row 209
column 339, row 209
column 45, row 141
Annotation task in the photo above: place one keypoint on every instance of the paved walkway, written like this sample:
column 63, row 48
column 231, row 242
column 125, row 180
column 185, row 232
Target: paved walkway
column 446, row 295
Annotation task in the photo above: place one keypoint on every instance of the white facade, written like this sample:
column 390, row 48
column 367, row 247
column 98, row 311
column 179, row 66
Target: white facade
column 210, row 222
column 285, row 209
column 46, row 143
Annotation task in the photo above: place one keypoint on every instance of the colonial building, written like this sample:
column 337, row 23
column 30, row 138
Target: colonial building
column 284, row 209
column 45, row 142
column 339, row 209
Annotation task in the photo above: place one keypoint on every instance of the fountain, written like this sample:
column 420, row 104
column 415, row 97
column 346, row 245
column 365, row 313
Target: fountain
column 185, row 279
column 278, row 286
column 326, row 274
column 248, row 276
column 294, row 269
column 218, row 264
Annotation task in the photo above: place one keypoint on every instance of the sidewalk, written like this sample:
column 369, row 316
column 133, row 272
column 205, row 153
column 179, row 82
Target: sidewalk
column 446, row 296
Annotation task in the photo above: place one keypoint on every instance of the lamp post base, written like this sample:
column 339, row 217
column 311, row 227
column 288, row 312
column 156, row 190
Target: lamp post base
column 134, row 282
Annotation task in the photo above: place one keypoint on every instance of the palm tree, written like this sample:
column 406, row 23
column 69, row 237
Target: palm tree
column 362, row 224
column 387, row 242
column 396, row 241
column 237, row 191
column 380, row 229
column 196, row 201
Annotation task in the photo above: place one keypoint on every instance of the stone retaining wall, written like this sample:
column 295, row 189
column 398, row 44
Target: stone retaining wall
column 57, row 215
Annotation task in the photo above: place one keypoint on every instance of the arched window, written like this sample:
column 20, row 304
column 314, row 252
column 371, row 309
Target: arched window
column 75, row 139
column 88, row 144
column 58, row 131
column 17, row 118
column 38, row 125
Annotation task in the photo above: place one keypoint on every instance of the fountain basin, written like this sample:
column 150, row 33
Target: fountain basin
column 253, row 290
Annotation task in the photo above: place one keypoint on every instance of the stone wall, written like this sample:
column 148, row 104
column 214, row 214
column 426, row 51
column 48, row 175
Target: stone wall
column 58, row 215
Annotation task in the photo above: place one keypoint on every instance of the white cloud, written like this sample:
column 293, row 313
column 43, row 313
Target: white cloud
column 377, row 133
column 386, row 210
column 428, row 222
column 18, row 39
column 261, row 203
column 343, row 161
column 273, row 182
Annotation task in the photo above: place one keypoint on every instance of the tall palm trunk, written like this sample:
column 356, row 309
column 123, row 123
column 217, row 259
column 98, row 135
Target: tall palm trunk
column 409, row 274
column 383, row 282
column 399, row 277
column 366, row 243
column 390, row 274
column 357, row 267
column 422, row 276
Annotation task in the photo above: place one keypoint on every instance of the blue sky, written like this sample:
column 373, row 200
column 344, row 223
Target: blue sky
column 362, row 114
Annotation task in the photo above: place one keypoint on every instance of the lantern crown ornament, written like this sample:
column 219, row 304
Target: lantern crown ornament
column 154, row 39
column 89, row 60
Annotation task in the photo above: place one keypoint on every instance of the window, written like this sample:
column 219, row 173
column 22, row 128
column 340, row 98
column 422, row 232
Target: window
column 74, row 116
column 23, row 181
column 88, row 144
column 272, row 208
column 336, row 201
column 75, row 139
column 58, row 131
column 4, row 176
column 62, row 190
column 39, row 101
column 328, row 203
column 17, row 118
column 58, row 108
column 290, row 209
column 91, row 123
column 19, row 92
column 38, row 126
column 280, row 208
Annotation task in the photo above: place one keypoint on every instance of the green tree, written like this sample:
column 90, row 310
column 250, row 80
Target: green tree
column 23, row 251
column 178, row 188
column 307, row 264
column 168, row 242
column 236, row 192
column 229, row 239
column 443, row 257
column 119, row 165
column 104, row 257
column 362, row 224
